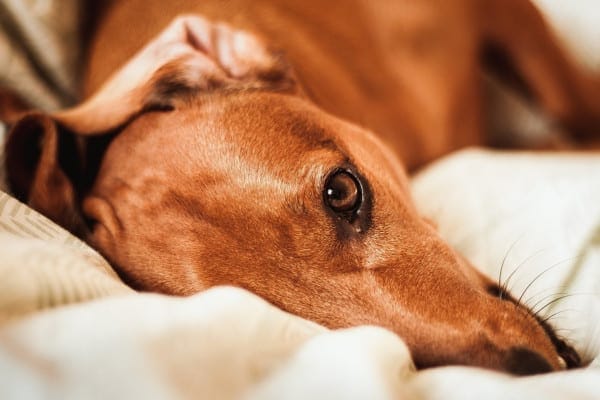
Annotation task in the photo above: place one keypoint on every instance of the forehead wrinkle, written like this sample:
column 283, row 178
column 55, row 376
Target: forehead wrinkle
column 312, row 134
column 229, row 165
column 282, row 112
column 247, row 179
column 290, row 157
column 295, row 145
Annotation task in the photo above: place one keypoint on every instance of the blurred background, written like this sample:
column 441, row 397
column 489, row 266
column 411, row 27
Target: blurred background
column 42, row 42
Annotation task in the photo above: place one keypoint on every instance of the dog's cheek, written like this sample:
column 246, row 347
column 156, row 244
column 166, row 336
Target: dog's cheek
column 102, row 222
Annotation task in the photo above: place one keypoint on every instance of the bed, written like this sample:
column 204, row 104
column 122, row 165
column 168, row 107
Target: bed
column 69, row 328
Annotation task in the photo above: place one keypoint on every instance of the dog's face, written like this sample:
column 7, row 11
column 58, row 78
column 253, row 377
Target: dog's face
column 267, row 192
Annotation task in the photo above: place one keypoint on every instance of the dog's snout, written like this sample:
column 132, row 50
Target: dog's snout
column 522, row 361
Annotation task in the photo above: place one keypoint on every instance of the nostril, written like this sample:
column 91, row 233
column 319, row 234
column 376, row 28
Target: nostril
column 522, row 361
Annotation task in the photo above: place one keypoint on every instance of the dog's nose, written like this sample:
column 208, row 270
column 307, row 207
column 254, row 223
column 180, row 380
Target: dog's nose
column 522, row 361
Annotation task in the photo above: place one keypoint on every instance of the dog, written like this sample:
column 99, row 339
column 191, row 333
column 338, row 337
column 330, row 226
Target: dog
column 267, row 145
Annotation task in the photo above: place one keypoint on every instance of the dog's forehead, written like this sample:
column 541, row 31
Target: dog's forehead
column 278, row 119
column 270, row 130
column 282, row 134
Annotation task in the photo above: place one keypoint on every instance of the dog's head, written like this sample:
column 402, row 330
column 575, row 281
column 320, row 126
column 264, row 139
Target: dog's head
column 183, row 186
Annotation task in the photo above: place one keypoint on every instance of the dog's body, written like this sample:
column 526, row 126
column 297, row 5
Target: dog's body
column 210, row 160
column 411, row 71
column 355, row 59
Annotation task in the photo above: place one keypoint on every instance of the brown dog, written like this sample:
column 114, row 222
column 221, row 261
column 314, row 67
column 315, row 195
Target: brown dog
column 213, row 158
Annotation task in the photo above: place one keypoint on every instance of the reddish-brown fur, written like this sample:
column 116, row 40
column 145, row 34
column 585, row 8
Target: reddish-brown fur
column 199, row 170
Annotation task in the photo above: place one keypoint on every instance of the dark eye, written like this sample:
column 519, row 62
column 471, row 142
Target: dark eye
column 343, row 193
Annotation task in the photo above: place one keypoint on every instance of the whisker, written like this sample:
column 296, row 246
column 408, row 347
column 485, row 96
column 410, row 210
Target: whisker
column 525, row 261
column 568, row 330
column 556, row 313
column 542, row 273
column 559, row 298
column 532, row 308
column 510, row 248
column 564, row 296
column 542, row 291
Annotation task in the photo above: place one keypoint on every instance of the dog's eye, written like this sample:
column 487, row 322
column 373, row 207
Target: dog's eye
column 343, row 192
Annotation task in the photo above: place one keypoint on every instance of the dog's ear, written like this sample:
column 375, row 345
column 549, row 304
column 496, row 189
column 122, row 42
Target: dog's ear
column 52, row 159
column 42, row 162
column 191, row 55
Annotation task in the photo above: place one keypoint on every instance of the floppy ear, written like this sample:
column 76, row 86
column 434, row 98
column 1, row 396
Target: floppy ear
column 192, row 54
column 42, row 165
column 52, row 159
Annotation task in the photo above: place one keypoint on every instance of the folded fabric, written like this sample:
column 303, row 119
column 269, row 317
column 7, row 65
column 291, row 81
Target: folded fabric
column 223, row 343
column 226, row 343
column 43, row 266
